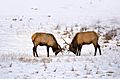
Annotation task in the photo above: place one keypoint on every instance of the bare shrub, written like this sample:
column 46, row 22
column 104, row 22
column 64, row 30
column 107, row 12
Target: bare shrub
column 14, row 19
column 83, row 29
column 110, row 34
column 8, row 57
column 68, row 32
column 76, row 25
column 71, row 32
column 107, row 37
column 55, row 70
column 118, row 44
column 46, row 60
column 85, row 67
column 28, row 59
column 106, row 41
column 72, row 69
column 57, row 27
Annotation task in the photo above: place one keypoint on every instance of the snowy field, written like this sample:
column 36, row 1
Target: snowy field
column 63, row 18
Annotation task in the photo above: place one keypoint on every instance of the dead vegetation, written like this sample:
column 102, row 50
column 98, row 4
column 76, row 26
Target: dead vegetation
column 110, row 34
column 34, row 60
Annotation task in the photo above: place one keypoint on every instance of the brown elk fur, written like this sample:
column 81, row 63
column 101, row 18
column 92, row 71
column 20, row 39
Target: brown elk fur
column 82, row 38
column 45, row 39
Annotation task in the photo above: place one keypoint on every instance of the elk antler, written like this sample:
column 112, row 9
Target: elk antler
column 64, row 47
column 65, row 42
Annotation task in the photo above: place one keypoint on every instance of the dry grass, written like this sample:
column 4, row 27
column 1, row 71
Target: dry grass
column 110, row 34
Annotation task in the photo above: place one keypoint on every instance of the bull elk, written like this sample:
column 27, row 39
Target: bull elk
column 82, row 38
column 45, row 39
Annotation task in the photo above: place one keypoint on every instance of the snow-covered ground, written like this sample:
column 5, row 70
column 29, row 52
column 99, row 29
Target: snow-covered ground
column 63, row 18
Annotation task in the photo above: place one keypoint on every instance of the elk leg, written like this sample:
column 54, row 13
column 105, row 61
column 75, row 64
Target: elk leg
column 79, row 49
column 77, row 52
column 95, row 46
column 95, row 51
column 47, row 51
column 35, row 51
column 99, row 49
